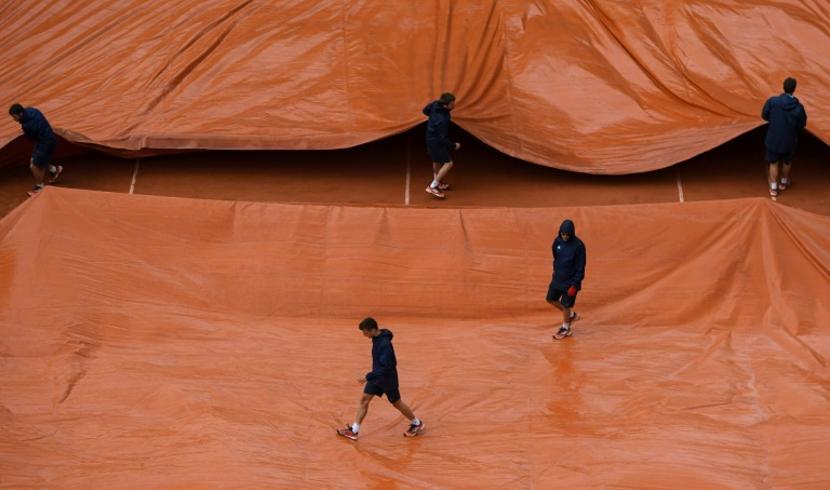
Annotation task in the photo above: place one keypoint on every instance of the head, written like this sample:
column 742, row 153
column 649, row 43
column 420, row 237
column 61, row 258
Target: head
column 789, row 85
column 16, row 112
column 567, row 230
column 447, row 100
column 369, row 327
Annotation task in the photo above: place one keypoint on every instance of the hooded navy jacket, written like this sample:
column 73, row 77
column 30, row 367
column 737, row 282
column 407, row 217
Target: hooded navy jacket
column 438, row 126
column 36, row 127
column 384, row 364
column 786, row 117
column 568, row 259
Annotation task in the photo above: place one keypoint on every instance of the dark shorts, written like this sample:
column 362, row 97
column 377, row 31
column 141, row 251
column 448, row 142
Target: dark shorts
column 555, row 294
column 775, row 157
column 438, row 152
column 42, row 155
column 379, row 389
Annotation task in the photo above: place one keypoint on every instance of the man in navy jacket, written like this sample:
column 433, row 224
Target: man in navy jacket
column 568, row 272
column 786, row 118
column 381, row 380
column 438, row 142
column 36, row 128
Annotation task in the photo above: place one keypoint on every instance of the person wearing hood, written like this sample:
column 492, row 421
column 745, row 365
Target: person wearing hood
column 568, row 272
column 36, row 128
column 438, row 142
column 381, row 380
column 786, row 117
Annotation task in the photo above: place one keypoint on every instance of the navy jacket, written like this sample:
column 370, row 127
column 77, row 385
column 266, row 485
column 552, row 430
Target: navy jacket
column 568, row 259
column 438, row 126
column 786, row 117
column 384, row 364
column 36, row 127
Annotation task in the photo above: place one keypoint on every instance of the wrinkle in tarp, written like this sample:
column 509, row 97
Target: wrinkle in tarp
column 595, row 87
column 151, row 341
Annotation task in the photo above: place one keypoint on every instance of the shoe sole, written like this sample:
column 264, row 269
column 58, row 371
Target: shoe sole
column 345, row 436
column 437, row 196
column 416, row 433
column 57, row 175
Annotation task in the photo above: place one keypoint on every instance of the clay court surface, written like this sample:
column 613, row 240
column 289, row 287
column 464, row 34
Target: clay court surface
column 375, row 174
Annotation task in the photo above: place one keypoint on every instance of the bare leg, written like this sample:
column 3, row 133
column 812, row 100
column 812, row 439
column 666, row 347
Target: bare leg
column 566, row 312
column 435, row 168
column 773, row 175
column 404, row 409
column 363, row 408
column 38, row 173
column 785, row 172
column 445, row 168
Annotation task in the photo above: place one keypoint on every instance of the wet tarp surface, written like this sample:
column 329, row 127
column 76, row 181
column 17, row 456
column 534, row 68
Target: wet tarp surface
column 598, row 87
column 167, row 342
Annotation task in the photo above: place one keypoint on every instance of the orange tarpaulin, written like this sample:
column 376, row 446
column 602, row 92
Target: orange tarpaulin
column 597, row 87
column 167, row 342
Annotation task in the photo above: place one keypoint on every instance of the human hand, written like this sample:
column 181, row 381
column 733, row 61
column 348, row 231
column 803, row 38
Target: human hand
column 572, row 291
column 361, row 380
column 457, row 146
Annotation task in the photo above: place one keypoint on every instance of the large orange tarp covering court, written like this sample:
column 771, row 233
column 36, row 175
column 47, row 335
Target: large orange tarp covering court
column 178, row 343
column 597, row 87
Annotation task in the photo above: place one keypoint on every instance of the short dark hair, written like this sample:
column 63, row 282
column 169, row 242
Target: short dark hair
column 368, row 324
column 789, row 85
column 446, row 98
column 16, row 110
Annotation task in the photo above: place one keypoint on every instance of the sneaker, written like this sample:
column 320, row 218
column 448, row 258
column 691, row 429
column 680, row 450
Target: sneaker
column 35, row 190
column 443, row 187
column 564, row 331
column 54, row 177
column 414, row 430
column 782, row 186
column 435, row 192
column 347, row 432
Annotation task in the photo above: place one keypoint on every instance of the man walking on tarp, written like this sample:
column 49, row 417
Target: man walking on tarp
column 37, row 128
column 382, row 380
column 786, row 118
column 568, row 273
column 438, row 142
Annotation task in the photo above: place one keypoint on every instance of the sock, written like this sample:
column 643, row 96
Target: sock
column 566, row 325
column 774, row 185
column 434, row 184
column 53, row 169
column 355, row 427
column 785, row 180
column 416, row 421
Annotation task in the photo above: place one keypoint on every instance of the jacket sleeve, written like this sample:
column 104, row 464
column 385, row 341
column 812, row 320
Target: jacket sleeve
column 446, row 140
column 803, row 119
column 384, row 365
column 579, row 268
column 29, row 130
column 765, row 111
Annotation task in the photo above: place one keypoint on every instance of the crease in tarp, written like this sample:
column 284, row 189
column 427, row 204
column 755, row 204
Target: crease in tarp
column 337, row 76
column 246, row 313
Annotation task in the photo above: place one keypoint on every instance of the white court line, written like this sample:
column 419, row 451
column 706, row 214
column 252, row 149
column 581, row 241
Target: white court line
column 135, row 175
column 680, row 195
column 408, row 165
